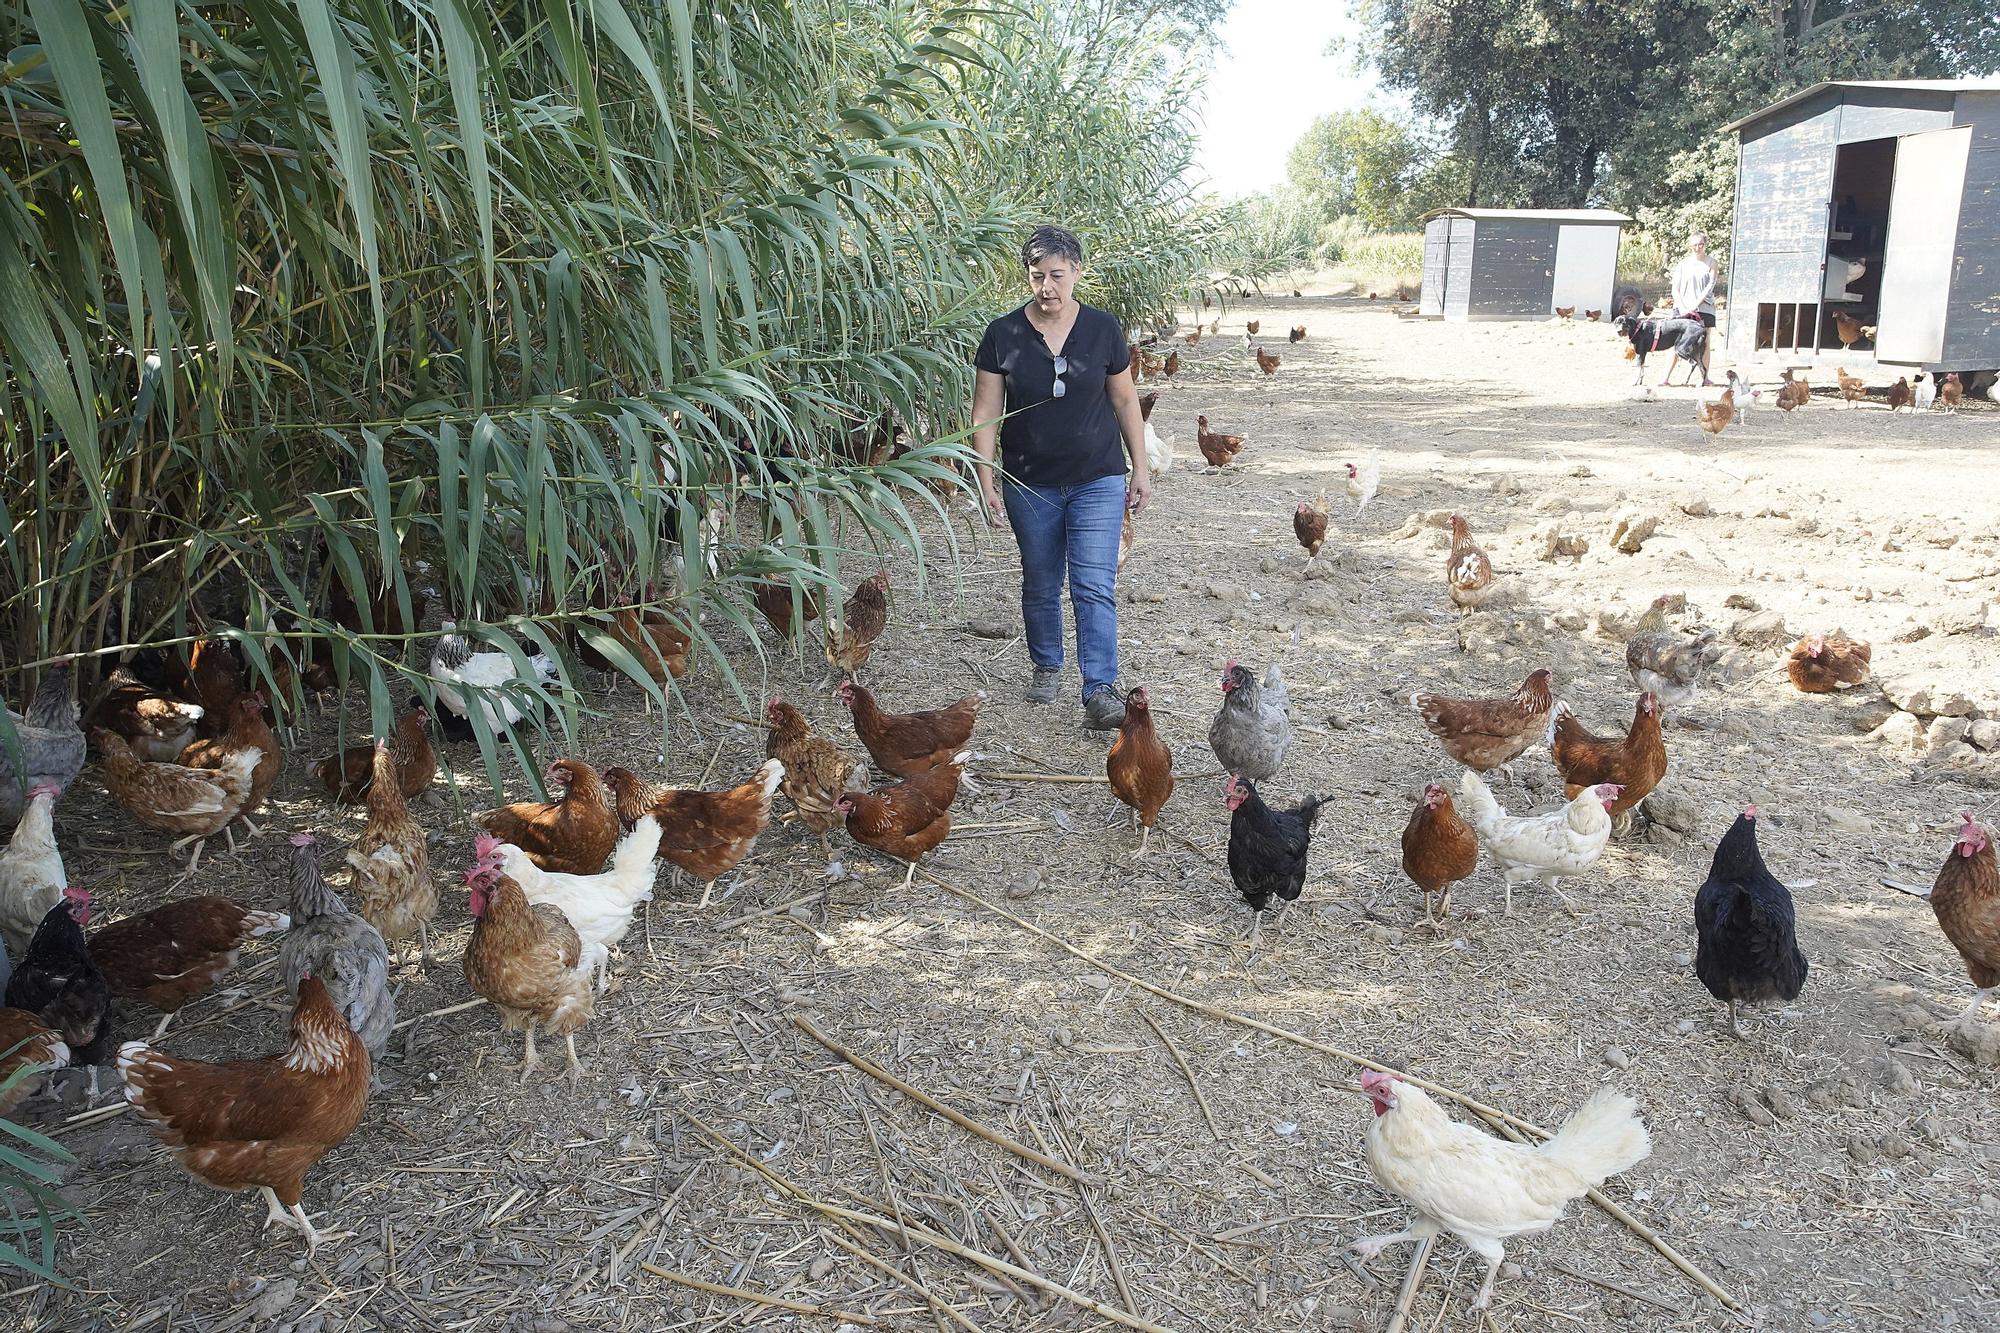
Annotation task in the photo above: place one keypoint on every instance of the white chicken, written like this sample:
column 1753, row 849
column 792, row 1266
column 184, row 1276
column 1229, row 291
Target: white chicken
column 1925, row 389
column 31, row 869
column 1159, row 453
column 599, row 906
column 1540, row 847
column 1486, row 1190
column 455, row 664
column 1362, row 480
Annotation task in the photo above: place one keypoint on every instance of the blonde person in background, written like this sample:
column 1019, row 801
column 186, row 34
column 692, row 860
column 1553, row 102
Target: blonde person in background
column 1693, row 280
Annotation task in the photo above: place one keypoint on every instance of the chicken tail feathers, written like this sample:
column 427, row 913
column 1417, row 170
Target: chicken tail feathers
column 1604, row 1136
column 257, row 923
column 1479, row 803
column 636, row 850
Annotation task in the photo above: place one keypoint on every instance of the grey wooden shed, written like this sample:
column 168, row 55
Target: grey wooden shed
column 1518, row 263
column 1879, row 200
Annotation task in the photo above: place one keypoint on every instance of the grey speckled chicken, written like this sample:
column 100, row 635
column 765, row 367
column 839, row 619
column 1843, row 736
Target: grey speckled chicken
column 51, row 743
column 1669, row 664
column 340, row 948
column 1254, row 729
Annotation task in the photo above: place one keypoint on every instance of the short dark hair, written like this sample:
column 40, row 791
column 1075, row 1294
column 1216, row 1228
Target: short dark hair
column 1051, row 242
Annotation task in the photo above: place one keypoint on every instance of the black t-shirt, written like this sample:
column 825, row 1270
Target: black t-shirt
column 1050, row 441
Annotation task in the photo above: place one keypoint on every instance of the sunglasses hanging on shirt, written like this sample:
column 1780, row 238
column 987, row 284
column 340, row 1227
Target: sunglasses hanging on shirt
column 1062, row 369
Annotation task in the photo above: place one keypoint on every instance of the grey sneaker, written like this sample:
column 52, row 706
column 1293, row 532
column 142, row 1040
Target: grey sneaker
column 1046, row 684
column 1104, row 711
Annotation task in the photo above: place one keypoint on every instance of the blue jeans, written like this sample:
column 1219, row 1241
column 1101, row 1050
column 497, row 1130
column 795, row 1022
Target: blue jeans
column 1077, row 527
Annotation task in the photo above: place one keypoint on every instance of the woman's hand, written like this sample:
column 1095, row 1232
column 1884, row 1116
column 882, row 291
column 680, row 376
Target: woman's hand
column 1138, row 490
column 996, row 512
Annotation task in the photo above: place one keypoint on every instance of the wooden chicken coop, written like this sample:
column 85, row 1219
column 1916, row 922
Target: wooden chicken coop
column 1518, row 263
column 1871, row 208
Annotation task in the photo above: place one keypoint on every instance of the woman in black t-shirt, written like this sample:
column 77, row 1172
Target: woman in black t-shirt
column 1062, row 372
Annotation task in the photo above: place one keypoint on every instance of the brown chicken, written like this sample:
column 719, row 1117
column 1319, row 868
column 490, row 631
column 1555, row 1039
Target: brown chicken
column 179, row 950
column 1140, row 766
column 1852, row 387
column 1565, row 311
column 1900, row 394
column 1468, row 574
column 1220, row 450
column 1847, row 328
column 908, row 819
column 1951, row 391
column 1128, row 537
column 906, row 743
column 1485, row 734
column 1593, row 315
column 705, row 833
column 1298, row 333
column 157, row 725
column 1309, row 525
column 572, row 834
column 25, row 1038
column 1251, row 325
column 1714, row 417
column 851, row 639
column 1149, row 366
column 194, row 802
column 774, row 599
column 1172, row 365
column 1966, row 899
column 1193, row 336
column 526, row 959
column 247, row 731
column 817, row 772
column 1439, row 848
column 215, row 678
column 1635, row 764
column 258, row 1123
column 1268, row 362
column 651, row 636
column 391, row 864
column 1793, row 392
column 346, row 775
column 1822, row 663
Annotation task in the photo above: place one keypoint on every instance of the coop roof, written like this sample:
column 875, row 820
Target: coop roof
column 1532, row 214
column 1909, row 85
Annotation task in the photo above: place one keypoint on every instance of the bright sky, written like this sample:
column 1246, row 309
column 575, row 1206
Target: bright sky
column 1272, row 81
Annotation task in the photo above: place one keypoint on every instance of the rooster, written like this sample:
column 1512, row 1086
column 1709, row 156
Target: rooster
column 1482, row 1189
column 1439, row 848
column 599, row 906
column 1747, row 946
column 1362, row 480
column 1966, row 899
column 1309, row 526
column 1468, row 574
column 1547, row 847
column 1139, row 766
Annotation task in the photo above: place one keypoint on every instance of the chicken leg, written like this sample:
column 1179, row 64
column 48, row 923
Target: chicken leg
column 1420, row 1228
column 1979, row 998
column 1494, row 1253
column 530, row 1062
column 575, row 1065
column 297, row 1219
column 1735, row 1029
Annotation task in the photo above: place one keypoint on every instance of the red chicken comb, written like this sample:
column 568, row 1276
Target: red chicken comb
column 76, row 894
column 484, row 845
column 302, row 840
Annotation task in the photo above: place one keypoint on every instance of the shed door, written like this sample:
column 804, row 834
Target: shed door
column 1586, row 266
column 1437, row 246
column 1923, row 234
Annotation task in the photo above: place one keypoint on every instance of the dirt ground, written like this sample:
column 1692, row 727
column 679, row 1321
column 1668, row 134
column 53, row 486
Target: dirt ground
column 1835, row 1171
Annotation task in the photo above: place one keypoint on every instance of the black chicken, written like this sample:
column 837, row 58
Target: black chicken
column 59, row 984
column 1749, row 949
column 1267, row 848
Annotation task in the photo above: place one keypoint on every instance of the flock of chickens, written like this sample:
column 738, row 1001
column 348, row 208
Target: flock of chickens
column 554, row 886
